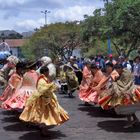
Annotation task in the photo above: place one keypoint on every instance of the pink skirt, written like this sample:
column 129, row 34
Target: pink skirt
column 88, row 96
column 18, row 100
column 6, row 94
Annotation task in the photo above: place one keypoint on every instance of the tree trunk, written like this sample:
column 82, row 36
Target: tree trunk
column 117, row 48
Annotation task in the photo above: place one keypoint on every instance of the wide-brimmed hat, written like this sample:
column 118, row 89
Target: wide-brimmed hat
column 46, row 60
column 20, row 65
column 13, row 59
column 31, row 64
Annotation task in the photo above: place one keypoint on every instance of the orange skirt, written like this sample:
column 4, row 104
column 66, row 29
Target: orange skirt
column 109, row 101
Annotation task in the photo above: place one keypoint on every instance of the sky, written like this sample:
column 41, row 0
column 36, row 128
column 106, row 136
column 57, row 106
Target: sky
column 25, row 15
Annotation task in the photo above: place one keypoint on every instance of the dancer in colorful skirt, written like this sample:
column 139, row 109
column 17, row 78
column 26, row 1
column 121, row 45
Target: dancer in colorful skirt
column 91, row 94
column 110, row 76
column 42, row 107
column 86, row 82
column 74, row 66
column 18, row 100
column 63, row 80
column 14, row 83
column 72, row 80
column 123, row 95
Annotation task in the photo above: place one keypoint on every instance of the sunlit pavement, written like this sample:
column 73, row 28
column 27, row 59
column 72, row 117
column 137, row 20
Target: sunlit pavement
column 86, row 123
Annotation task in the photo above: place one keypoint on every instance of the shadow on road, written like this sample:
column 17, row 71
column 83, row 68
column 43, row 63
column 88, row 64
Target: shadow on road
column 36, row 136
column 33, row 130
column 9, row 113
column 98, row 112
column 20, row 126
column 11, row 119
column 117, row 126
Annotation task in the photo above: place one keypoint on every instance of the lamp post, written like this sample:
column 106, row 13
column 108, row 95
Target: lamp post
column 45, row 13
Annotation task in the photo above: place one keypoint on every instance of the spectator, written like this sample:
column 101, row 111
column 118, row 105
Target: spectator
column 80, row 64
column 111, row 60
column 126, row 64
column 102, row 62
column 136, row 70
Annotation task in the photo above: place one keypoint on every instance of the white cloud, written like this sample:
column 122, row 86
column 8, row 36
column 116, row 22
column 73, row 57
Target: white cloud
column 60, row 15
column 6, row 3
column 13, row 1
column 29, row 24
column 57, row 15
column 72, row 13
column 23, row 15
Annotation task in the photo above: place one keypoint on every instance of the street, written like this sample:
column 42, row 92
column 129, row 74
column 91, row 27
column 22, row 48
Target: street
column 86, row 123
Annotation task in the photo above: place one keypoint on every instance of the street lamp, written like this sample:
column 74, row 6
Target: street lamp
column 45, row 13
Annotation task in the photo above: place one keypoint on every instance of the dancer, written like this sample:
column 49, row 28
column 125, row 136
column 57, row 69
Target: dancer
column 47, row 61
column 123, row 95
column 110, row 76
column 43, row 107
column 68, row 80
column 72, row 80
column 63, row 80
column 18, row 100
column 74, row 66
column 14, row 83
column 86, row 82
column 91, row 94
column 7, row 70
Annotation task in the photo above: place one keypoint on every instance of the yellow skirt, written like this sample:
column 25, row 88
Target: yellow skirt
column 44, row 111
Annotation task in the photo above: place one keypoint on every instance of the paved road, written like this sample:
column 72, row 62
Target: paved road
column 86, row 123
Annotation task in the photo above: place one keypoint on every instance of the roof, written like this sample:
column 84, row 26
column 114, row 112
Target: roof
column 15, row 42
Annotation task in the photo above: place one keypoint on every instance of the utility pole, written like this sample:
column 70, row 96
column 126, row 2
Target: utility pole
column 45, row 13
column 106, row 1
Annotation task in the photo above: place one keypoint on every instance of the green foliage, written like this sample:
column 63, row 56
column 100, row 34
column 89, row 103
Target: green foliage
column 11, row 36
column 119, row 20
column 28, row 51
column 100, row 48
column 55, row 40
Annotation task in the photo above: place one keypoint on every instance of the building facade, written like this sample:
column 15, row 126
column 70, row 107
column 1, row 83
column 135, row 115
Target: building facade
column 15, row 46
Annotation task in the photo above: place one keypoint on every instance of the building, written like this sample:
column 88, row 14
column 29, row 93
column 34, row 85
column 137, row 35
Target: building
column 15, row 46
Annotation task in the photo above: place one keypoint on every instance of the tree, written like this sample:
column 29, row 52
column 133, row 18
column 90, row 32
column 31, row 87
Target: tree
column 14, row 36
column 59, row 39
column 11, row 36
column 27, row 51
column 106, row 1
column 124, row 18
column 118, row 20
column 91, row 33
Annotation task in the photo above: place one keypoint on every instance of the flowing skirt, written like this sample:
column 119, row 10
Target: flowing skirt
column 108, row 101
column 44, row 111
column 18, row 100
column 89, row 96
column 6, row 94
